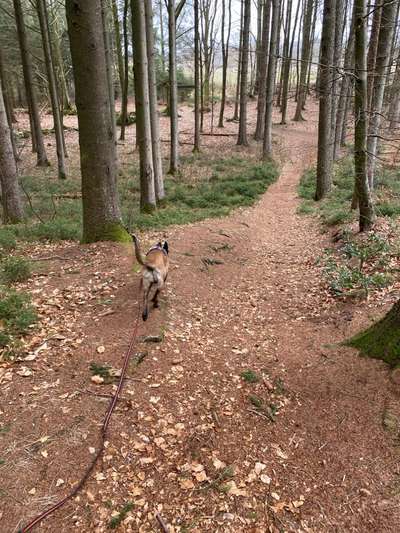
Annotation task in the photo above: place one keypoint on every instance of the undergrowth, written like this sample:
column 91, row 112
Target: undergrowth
column 335, row 209
column 54, row 207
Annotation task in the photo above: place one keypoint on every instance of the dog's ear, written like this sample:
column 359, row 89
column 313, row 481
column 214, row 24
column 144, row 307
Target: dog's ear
column 165, row 246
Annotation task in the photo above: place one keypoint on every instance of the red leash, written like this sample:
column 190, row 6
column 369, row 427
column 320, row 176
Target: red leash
column 103, row 434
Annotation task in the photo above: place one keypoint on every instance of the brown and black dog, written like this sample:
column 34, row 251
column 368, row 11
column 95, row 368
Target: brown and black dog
column 154, row 272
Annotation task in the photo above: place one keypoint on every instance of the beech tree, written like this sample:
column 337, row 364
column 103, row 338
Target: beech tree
column 101, row 214
column 173, row 89
column 305, row 57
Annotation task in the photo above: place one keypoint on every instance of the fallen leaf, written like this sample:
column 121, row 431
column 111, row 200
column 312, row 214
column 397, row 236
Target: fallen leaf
column 186, row 484
column 265, row 479
column 32, row 492
column 44, row 453
column 100, row 476
column 100, row 349
column 97, row 379
column 59, row 482
column 259, row 467
column 218, row 464
column 275, row 496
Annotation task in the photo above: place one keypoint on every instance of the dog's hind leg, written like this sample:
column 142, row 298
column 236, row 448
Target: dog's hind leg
column 155, row 299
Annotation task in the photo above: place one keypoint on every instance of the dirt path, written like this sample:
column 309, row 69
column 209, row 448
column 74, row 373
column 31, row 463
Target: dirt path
column 195, row 440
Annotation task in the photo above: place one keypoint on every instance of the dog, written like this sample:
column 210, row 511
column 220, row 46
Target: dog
column 154, row 272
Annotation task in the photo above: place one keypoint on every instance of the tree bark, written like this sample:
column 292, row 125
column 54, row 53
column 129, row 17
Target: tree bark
column 8, row 107
column 154, row 118
column 305, row 55
column 173, row 89
column 101, row 214
column 196, row 147
column 381, row 69
column 10, row 193
column 51, row 77
column 142, row 100
column 344, row 92
column 42, row 160
column 366, row 210
column 337, row 53
column 394, row 109
column 259, row 132
column 106, row 16
column 373, row 48
column 269, row 99
column 324, row 162
column 225, row 57
column 124, row 102
column 287, row 65
column 242, row 137
column 118, row 44
column 239, row 69
column 259, row 50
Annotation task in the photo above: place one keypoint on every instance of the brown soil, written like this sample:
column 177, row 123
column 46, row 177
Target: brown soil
column 305, row 448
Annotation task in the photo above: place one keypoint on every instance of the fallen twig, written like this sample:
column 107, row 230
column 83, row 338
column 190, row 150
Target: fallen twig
column 161, row 523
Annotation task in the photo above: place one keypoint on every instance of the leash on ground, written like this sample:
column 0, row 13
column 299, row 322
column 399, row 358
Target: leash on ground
column 28, row 527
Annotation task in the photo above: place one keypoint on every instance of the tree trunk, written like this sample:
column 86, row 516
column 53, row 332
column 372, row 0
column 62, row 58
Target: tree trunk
column 239, row 70
column 106, row 16
column 101, row 215
column 173, row 89
column 311, row 56
column 287, row 65
column 324, row 162
column 154, row 118
column 259, row 51
column 10, row 193
column 162, row 42
column 344, row 92
column 225, row 57
column 51, row 77
column 366, row 218
column 60, row 67
column 269, row 99
column 242, row 137
column 394, row 109
column 118, row 44
column 124, row 103
column 382, row 339
column 305, row 55
column 196, row 147
column 142, row 99
column 381, row 70
column 373, row 48
column 337, row 53
column 258, row 135
column 42, row 160
column 8, row 107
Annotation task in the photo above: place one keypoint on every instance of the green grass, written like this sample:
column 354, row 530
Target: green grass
column 335, row 208
column 250, row 376
column 120, row 517
column 15, row 269
column 54, row 212
column 16, row 317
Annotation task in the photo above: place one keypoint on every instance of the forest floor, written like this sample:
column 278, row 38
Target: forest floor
column 248, row 416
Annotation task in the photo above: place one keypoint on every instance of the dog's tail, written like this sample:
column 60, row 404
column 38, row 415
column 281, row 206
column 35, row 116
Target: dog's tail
column 138, row 253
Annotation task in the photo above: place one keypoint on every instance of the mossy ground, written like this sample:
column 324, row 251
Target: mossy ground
column 381, row 340
column 336, row 207
column 205, row 188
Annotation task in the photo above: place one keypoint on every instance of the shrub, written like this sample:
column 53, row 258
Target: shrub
column 16, row 315
column 7, row 240
column 14, row 269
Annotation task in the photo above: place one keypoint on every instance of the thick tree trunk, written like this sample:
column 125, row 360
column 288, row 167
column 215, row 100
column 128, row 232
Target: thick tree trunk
column 10, row 193
column 125, row 87
column 287, row 67
column 154, row 118
column 196, row 147
column 173, row 89
column 324, row 162
column 242, row 137
column 381, row 69
column 366, row 218
column 259, row 50
column 394, row 108
column 42, row 160
column 337, row 55
column 118, row 44
column 51, row 77
column 162, row 42
column 259, row 133
column 101, row 215
column 142, row 99
column 269, row 99
column 382, row 339
column 305, row 55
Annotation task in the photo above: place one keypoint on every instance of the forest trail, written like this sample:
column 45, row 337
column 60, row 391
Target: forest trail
column 192, row 438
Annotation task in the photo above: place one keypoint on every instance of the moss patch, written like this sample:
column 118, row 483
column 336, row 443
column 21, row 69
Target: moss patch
column 113, row 231
column 381, row 340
